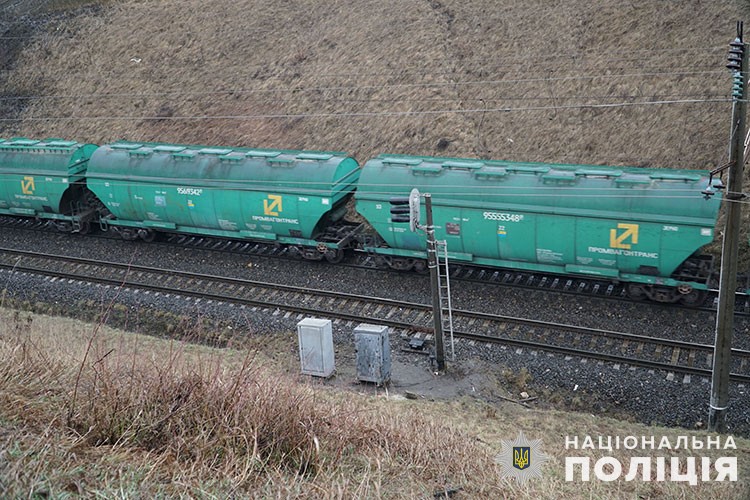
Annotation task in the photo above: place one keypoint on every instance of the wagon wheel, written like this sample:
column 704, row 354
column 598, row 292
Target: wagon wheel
column 690, row 296
column 313, row 254
column 64, row 227
column 334, row 256
column 400, row 264
column 148, row 236
column 637, row 291
column 128, row 234
column 85, row 227
column 420, row 266
column 694, row 298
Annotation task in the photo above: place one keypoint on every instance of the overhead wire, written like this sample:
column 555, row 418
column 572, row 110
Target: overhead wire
column 321, row 70
column 298, row 89
column 366, row 113
column 495, row 61
column 492, row 62
column 495, row 99
column 669, row 99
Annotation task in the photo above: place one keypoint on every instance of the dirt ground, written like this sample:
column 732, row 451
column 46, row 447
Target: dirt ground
column 413, row 375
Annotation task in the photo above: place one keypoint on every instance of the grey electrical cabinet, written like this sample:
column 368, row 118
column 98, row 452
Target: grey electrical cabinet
column 316, row 347
column 373, row 353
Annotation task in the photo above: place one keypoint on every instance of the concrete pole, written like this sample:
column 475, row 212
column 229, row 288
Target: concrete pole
column 728, row 277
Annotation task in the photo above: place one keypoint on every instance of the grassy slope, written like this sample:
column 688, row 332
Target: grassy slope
column 154, row 417
column 362, row 56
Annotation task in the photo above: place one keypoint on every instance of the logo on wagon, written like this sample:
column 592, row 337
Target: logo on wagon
column 624, row 236
column 272, row 205
column 27, row 185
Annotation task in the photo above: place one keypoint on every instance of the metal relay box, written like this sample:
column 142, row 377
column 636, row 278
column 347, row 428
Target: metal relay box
column 316, row 347
column 373, row 353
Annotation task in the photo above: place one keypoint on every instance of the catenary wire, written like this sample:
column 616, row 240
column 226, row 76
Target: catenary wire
column 367, row 113
column 298, row 89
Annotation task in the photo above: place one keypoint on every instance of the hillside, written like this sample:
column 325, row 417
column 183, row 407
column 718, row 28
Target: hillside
column 412, row 77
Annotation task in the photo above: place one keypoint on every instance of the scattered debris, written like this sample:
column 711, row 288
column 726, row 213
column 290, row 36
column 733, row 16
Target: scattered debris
column 416, row 343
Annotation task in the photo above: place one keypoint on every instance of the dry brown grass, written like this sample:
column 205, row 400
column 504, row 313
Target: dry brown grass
column 203, row 421
column 155, row 417
column 306, row 57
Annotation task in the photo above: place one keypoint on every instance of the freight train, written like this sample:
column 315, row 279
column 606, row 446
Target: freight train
column 639, row 226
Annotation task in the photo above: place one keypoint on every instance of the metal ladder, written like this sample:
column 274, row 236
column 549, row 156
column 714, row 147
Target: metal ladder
column 75, row 216
column 444, row 289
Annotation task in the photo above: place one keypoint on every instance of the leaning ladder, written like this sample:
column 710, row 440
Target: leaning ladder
column 444, row 288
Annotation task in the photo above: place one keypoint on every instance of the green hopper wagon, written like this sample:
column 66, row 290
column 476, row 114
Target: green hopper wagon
column 635, row 225
column 46, row 179
column 289, row 197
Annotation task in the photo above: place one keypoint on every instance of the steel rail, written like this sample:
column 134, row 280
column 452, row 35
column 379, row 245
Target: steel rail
column 132, row 276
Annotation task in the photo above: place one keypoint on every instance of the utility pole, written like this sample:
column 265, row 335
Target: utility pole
column 738, row 63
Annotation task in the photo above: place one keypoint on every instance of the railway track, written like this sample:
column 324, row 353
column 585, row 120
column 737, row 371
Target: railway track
column 579, row 286
column 620, row 349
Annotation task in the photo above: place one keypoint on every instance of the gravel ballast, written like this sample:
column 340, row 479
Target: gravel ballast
column 647, row 396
